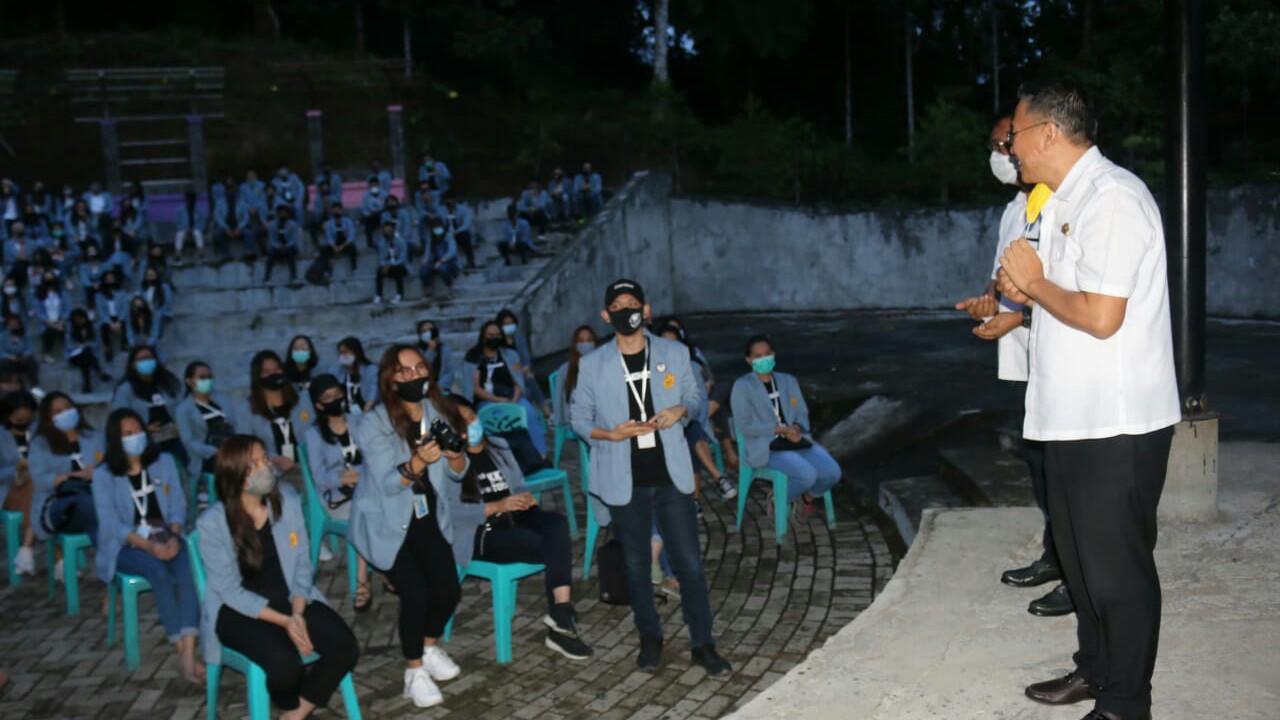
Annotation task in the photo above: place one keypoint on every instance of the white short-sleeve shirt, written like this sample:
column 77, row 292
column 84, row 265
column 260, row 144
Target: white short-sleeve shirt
column 1102, row 234
column 1011, row 348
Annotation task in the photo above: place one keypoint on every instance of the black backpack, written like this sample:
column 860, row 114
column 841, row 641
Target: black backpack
column 612, row 568
column 320, row 270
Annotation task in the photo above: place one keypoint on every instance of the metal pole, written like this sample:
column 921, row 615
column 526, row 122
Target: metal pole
column 1185, row 211
column 315, row 140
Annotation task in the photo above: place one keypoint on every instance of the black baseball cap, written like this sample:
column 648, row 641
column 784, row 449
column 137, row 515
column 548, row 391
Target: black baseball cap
column 623, row 286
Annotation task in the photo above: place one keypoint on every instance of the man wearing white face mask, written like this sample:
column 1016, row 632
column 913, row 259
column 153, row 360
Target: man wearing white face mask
column 1002, row 320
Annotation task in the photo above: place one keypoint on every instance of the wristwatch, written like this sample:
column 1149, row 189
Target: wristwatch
column 1026, row 317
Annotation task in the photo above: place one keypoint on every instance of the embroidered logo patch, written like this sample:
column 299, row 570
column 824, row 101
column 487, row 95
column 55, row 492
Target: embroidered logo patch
column 795, row 402
column 305, row 416
column 669, row 381
column 293, row 539
column 1066, row 228
column 98, row 456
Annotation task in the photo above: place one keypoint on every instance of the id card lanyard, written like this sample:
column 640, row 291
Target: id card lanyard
column 775, row 397
column 646, row 441
column 139, row 497
column 286, row 436
column 421, row 508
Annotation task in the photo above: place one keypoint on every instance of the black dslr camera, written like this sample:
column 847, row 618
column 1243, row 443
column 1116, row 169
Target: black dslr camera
column 445, row 437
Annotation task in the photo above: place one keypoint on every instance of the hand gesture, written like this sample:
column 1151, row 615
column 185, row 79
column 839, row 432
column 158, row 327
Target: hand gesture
column 428, row 452
column 669, row 417
column 1009, row 290
column 630, row 429
column 1022, row 264
column 979, row 307
column 297, row 629
column 350, row 477
column 999, row 326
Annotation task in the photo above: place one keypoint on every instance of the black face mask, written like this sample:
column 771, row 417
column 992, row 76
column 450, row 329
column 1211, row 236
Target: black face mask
column 627, row 321
column 493, row 343
column 19, row 427
column 412, row 391
column 274, row 381
column 332, row 409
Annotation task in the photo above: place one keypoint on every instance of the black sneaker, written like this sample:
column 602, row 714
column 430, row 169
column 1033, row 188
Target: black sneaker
column 650, row 653
column 570, row 646
column 710, row 660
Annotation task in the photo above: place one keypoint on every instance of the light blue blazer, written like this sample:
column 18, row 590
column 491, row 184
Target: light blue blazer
column 125, row 398
column 248, row 421
column 467, row 516
column 326, row 460
column 9, row 457
column 193, row 429
column 113, row 501
column 601, row 400
column 45, row 466
column 509, row 357
column 382, row 507
column 368, row 382
column 753, row 414
column 223, row 583
column 560, row 403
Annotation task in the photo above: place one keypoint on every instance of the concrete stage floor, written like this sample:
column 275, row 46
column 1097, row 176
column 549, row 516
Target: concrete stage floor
column 947, row 640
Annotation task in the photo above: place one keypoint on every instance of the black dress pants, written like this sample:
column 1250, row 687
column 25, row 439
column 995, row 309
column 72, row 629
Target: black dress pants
column 426, row 578
column 1103, row 496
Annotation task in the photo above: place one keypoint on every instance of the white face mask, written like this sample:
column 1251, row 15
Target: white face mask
column 1003, row 168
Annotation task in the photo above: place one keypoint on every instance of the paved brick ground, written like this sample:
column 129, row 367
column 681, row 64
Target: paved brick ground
column 771, row 608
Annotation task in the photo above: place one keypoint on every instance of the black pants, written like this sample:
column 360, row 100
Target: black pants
column 507, row 251
column 270, row 647
column 466, row 247
column 370, row 225
column 49, row 338
column 1103, row 496
column 426, row 578
column 26, row 366
column 538, row 219
column 87, row 363
column 349, row 250
column 538, row 537
column 288, row 255
column 396, row 273
column 105, row 332
column 1033, row 451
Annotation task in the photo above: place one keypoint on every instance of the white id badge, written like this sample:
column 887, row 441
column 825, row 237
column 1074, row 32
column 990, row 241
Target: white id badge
column 287, row 450
column 420, row 506
column 145, row 531
column 647, row 442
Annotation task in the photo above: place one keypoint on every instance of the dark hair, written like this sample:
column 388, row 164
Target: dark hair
column 290, row 368
column 161, row 379
column 352, row 343
column 506, row 314
column 58, row 442
column 1066, row 104
column 257, row 393
column 84, row 332
column 756, row 339
column 230, row 468
column 470, row 483
column 477, row 351
column 16, row 401
column 116, row 459
column 140, row 316
column 190, row 372
column 396, row 412
column 162, row 293
column 571, row 375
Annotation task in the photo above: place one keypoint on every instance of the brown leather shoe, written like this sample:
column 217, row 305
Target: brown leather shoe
column 1063, row 691
column 1105, row 715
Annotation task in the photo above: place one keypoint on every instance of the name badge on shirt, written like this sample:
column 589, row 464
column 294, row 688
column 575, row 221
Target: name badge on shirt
column 287, row 450
column 420, row 507
column 647, row 442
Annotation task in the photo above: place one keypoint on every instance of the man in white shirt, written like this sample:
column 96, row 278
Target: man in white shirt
column 1102, row 393
column 1001, row 320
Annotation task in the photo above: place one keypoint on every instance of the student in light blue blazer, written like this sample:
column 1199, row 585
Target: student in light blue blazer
column 275, row 414
column 440, row 259
column 438, row 355
column 149, row 389
column 142, row 508
column 205, row 418
column 494, row 374
column 82, row 349
column 51, row 308
column 583, row 341
column 633, row 398
column 260, row 596
column 770, row 412
column 519, row 342
column 192, row 221
column 400, row 515
column 339, row 235
column 393, row 261
column 62, row 458
column 359, row 376
column 143, row 326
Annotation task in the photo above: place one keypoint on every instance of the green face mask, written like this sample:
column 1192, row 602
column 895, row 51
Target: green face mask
column 764, row 365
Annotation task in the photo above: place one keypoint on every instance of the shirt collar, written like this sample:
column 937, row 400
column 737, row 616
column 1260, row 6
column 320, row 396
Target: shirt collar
column 1074, row 180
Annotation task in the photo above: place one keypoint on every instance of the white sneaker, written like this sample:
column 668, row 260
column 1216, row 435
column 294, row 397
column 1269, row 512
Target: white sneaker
column 57, row 572
column 25, row 561
column 325, row 555
column 395, row 300
column 436, row 662
column 418, row 685
column 377, row 299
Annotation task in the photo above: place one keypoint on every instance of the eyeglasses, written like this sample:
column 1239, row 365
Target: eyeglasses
column 405, row 373
column 1000, row 146
column 1013, row 133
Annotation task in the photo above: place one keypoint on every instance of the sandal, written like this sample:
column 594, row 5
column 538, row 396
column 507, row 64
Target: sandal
column 364, row 597
column 388, row 587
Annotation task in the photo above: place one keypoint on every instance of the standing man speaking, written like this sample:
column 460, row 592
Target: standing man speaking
column 1102, row 393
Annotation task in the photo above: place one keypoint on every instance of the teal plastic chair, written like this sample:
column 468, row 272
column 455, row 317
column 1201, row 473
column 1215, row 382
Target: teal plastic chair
column 320, row 525
column 505, row 417
column 73, row 547
column 255, row 677
column 192, row 484
column 563, row 433
column 593, row 525
column 504, row 579
column 12, row 541
column 128, row 587
column 747, row 474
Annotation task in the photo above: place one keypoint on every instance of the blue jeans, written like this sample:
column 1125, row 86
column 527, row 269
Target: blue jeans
column 446, row 272
column 172, row 587
column 678, row 524
column 811, row 471
column 72, row 515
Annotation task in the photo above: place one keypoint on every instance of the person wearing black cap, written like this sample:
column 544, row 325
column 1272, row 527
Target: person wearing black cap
column 633, row 398
column 393, row 260
column 336, row 463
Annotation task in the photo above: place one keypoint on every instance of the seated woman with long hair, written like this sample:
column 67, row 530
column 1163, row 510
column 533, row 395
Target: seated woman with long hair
column 260, row 598
column 142, row 508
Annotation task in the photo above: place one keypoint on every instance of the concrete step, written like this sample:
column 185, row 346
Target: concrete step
column 906, row 499
column 986, row 475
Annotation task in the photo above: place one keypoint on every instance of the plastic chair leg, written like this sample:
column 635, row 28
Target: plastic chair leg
column 744, row 488
column 71, row 578
column 559, row 446
column 504, row 601
column 831, row 509
column 593, row 530
column 51, row 559
column 259, row 701
column 212, row 674
column 12, row 541
column 349, row 699
column 781, row 510
column 112, row 589
column 351, row 571
column 569, row 509
column 317, row 537
column 129, row 612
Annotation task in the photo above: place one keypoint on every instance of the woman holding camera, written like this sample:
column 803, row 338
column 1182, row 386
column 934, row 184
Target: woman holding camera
column 400, row 515
column 141, row 509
